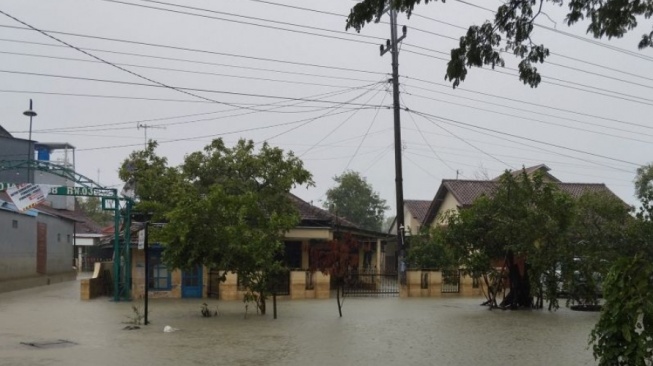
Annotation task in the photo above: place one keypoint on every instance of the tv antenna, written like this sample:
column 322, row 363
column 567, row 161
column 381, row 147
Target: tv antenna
column 145, row 127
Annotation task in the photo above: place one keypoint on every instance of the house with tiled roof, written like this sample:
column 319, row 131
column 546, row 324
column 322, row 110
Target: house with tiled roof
column 414, row 213
column 455, row 194
column 316, row 226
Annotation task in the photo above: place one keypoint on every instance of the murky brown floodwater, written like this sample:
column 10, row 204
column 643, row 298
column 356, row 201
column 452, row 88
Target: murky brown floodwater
column 374, row 331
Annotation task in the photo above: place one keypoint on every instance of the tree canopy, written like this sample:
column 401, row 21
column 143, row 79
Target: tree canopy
column 92, row 207
column 624, row 333
column 512, row 29
column 355, row 199
column 531, row 233
column 225, row 207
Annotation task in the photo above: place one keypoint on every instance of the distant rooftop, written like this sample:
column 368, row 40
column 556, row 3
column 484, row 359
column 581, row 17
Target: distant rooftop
column 4, row 132
column 54, row 145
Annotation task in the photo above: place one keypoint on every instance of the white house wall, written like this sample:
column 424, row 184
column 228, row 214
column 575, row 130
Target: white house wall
column 449, row 203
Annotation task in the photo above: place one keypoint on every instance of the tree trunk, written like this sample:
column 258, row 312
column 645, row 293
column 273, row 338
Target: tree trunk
column 520, row 287
column 338, row 289
column 261, row 304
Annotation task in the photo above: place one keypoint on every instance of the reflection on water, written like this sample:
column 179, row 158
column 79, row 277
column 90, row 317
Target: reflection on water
column 384, row 331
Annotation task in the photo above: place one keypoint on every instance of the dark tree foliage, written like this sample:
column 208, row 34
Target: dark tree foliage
column 225, row 207
column 624, row 334
column 529, row 240
column 512, row 28
column 92, row 207
column 355, row 200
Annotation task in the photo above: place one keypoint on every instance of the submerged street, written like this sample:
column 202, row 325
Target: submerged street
column 373, row 331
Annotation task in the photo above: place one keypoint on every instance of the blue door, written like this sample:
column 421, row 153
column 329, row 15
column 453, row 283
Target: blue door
column 191, row 283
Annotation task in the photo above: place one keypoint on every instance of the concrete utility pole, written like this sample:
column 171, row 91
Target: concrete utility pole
column 392, row 46
column 145, row 127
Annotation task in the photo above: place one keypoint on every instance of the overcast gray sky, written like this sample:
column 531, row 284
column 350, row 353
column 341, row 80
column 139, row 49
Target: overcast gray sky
column 271, row 71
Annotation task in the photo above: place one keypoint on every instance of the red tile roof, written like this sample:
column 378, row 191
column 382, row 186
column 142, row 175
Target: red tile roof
column 467, row 191
column 417, row 208
column 310, row 214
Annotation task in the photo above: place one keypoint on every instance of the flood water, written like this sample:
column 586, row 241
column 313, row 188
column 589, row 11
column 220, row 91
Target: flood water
column 373, row 331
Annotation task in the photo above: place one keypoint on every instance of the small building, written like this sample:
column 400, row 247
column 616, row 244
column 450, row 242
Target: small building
column 35, row 246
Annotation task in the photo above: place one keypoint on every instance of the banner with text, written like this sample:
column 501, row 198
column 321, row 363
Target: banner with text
column 27, row 195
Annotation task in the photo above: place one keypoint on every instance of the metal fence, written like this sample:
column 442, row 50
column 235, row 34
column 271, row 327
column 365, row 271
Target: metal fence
column 280, row 283
column 371, row 283
column 450, row 281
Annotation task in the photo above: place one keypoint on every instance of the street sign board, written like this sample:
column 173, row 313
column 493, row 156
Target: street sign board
column 81, row 191
column 65, row 190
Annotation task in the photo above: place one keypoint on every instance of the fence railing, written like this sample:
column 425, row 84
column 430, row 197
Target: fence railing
column 371, row 283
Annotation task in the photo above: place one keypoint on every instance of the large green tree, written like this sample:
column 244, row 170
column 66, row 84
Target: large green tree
column 523, row 224
column 530, row 232
column 225, row 207
column 512, row 29
column 624, row 334
column 354, row 199
column 92, row 207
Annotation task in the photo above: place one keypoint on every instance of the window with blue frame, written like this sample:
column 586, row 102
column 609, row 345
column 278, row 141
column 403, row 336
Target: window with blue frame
column 159, row 273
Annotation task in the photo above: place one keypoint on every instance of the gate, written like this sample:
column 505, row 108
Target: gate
column 280, row 283
column 450, row 281
column 371, row 283
column 191, row 283
column 214, row 284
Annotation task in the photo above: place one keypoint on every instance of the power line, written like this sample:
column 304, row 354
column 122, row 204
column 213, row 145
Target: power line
column 118, row 67
column 591, row 41
column 536, row 120
column 161, row 86
column 530, row 147
column 618, row 95
column 522, row 110
column 601, row 66
column 551, row 53
column 522, row 158
column 559, row 65
column 332, row 113
column 310, row 121
column 379, row 157
column 422, row 168
column 86, row 126
column 177, row 70
column 331, row 67
column 218, row 134
column 249, row 23
column 455, row 122
column 367, row 132
column 183, row 60
column 533, row 104
column 337, row 127
column 424, row 138
column 100, row 96
column 468, row 143
column 240, row 16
